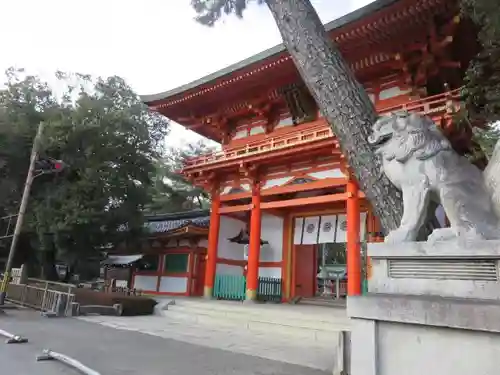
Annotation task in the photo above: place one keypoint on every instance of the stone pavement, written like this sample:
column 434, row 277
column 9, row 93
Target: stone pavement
column 270, row 345
column 120, row 352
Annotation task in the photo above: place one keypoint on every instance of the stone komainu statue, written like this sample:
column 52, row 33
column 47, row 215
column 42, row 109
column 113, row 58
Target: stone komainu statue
column 420, row 161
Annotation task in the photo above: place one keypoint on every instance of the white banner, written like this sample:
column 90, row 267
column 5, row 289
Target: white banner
column 341, row 235
column 297, row 231
column 362, row 227
column 327, row 229
column 311, row 229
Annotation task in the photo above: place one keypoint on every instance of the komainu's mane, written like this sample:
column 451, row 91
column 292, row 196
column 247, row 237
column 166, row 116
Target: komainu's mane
column 417, row 137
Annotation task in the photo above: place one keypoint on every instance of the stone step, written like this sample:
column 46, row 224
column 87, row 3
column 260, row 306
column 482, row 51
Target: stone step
column 278, row 311
column 250, row 315
column 316, row 326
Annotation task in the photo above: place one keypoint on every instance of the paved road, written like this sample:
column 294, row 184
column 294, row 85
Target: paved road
column 117, row 352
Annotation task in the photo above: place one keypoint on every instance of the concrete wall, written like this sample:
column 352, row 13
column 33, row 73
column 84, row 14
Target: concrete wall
column 415, row 335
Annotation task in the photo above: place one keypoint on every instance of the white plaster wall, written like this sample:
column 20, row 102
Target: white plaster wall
column 203, row 243
column 272, row 231
column 330, row 173
column 170, row 284
column 257, row 130
column 184, row 243
column 227, row 269
column 288, row 121
column 230, row 227
column 146, row 283
column 241, row 134
column 270, row 272
column 276, row 182
column 177, row 243
column 392, row 92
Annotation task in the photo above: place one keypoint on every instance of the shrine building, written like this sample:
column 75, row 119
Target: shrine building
column 285, row 208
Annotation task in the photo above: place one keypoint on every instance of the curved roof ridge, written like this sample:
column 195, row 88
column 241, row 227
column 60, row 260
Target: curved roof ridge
column 330, row 26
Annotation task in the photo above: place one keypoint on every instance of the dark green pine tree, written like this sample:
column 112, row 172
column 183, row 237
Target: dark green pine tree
column 482, row 88
column 170, row 191
column 341, row 99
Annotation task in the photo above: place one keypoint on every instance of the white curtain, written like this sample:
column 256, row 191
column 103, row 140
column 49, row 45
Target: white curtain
column 325, row 229
column 311, row 230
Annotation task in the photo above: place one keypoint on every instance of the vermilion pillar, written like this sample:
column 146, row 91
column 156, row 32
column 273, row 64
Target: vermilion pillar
column 353, row 240
column 213, row 243
column 254, row 246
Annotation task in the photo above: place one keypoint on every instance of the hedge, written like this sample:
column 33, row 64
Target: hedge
column 131, row 305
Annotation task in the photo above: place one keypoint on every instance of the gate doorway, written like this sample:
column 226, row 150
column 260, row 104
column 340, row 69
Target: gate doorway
column 198, row 278
column 304, row 280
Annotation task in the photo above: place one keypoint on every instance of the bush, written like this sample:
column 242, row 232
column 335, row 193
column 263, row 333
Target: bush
column 131, row 305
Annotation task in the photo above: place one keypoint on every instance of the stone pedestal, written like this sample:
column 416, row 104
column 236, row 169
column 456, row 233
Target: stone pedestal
column 430, row 309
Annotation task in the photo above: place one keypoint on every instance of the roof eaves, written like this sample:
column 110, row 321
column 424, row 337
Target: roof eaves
column 177, row 215
column 330, row 26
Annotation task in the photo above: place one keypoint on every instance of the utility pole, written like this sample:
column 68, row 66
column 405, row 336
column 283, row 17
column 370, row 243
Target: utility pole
column 22, row 211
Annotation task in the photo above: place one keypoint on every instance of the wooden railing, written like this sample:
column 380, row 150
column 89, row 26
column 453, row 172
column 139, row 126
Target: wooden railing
column 319, row 130
column 432, row 106
column 435, row 107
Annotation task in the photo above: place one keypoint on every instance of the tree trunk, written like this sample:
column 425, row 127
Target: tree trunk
column 341, row 99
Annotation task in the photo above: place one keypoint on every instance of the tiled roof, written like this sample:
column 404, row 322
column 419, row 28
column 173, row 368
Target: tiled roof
column 169, row 222
column 335, row 24
column 165, row 226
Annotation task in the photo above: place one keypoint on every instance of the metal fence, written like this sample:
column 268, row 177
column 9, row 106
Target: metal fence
column 233, row 287
column 42, row 295
column 270, row 289
column 230, row 287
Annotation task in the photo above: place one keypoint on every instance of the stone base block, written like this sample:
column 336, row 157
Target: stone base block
column 414, row 335
column 446, row 269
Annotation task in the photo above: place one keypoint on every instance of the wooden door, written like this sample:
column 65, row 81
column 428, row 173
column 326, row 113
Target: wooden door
column 305, row 271
column 199, row 274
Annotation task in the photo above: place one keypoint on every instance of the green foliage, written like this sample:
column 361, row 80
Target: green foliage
column 487, row 139
column 482, row 89
column 482, row 80
column 171, row 192
column 210, row 11
column 109, row 141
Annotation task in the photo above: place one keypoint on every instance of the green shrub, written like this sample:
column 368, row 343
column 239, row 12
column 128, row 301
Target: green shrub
column 132, row 305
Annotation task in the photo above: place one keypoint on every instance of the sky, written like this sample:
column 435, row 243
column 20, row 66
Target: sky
column 155, row 45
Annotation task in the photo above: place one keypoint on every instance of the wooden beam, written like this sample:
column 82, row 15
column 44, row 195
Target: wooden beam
column 235, row 196
column 276, row 213
column 239, row 208
column 319, row 184
column 285, row 189
column 304, row 201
